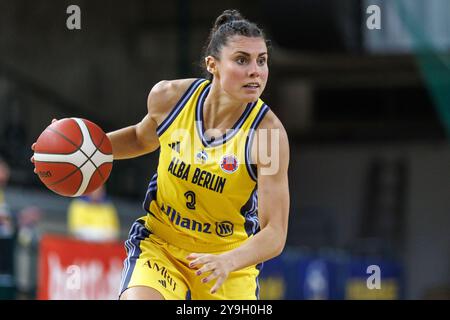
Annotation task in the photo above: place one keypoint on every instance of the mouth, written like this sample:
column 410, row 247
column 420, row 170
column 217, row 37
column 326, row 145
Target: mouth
column 252, row 85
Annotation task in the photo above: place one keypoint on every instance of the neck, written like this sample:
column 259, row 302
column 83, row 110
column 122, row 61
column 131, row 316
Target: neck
column 220, row 111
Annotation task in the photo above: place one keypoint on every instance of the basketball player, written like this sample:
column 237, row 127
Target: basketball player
column 213, row 213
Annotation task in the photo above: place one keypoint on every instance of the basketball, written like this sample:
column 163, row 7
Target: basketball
column 73, row 157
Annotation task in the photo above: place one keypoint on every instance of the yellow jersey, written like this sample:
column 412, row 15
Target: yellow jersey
column 203, row 197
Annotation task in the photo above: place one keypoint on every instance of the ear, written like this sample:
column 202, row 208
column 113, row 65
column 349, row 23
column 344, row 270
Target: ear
column 211, row 65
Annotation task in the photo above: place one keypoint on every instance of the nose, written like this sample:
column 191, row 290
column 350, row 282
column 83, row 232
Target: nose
column 253, row 70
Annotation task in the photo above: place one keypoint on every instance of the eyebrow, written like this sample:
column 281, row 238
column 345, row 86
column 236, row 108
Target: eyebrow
column 248, row 54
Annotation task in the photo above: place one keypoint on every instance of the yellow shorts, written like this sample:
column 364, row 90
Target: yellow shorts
column 154, row 263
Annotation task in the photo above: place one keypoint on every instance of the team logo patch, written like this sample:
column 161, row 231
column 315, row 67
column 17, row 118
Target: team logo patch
column 224, row 228
column 202, row 156
column 229, row 164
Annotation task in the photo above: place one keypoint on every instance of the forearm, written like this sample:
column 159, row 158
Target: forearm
column 265, row 245
column 125, row 144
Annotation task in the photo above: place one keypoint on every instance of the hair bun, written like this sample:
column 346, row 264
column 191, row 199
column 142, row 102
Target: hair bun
column 226, row 17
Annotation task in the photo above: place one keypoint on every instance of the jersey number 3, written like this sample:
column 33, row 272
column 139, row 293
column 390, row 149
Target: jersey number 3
column 190, row 197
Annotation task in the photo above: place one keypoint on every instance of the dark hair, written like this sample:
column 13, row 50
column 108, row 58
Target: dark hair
column 228, row 24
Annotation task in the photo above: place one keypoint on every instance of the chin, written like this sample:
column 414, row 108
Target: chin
column 247, row 98
column 252, row 98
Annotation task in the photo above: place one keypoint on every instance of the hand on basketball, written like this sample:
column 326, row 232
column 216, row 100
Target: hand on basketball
column 33, row 146
column 219, row 267
column 72, row 157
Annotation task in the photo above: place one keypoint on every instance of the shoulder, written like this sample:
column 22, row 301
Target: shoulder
column 272, row 122
column 164, row 96
column 271, row 137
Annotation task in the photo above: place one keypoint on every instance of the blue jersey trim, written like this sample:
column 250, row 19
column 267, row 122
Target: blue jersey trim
column 248, row 143
column 150, row 195
column 250, row 212
column 230, row 133
column 259, row 267
column 137, row 233
column 178, row 107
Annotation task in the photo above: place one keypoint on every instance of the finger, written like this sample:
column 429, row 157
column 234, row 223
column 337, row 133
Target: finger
column 193, row 256
column 217, row 285
column 197, row 262
column 206, row 267
column 32, row 159
column 33, row 146
column 34, row 170
column 200, row 259
column 212, row 276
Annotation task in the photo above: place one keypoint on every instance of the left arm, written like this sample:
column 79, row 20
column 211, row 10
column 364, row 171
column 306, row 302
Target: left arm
column 273, row 210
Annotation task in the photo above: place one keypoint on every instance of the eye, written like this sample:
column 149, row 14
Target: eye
column 261, row 61
column 241, row 60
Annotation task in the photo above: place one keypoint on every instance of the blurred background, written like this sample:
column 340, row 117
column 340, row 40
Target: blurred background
column 367, row 111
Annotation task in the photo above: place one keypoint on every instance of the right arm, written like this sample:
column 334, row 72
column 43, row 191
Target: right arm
column 141, row 138
column 135, row 140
